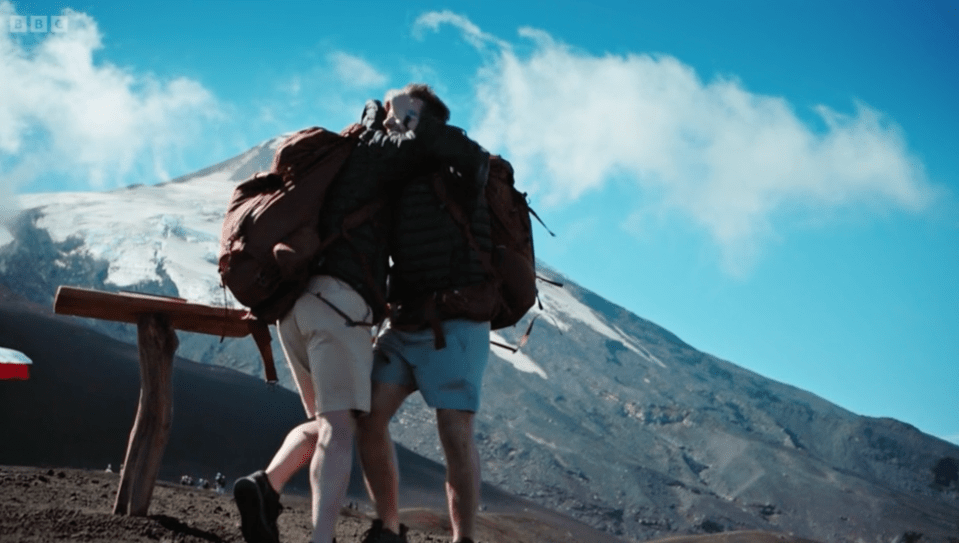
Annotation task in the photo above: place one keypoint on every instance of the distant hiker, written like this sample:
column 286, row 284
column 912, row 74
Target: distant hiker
column 436, row 340
column 327, row 335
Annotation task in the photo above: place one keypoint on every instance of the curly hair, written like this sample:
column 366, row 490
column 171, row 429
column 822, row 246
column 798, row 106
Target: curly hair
column 432, row 104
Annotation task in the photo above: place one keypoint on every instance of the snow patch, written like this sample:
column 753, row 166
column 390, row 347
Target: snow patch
column 539, row 440
column 140, row 230
column 9, row 356
column 559, row 302
column 518, row 359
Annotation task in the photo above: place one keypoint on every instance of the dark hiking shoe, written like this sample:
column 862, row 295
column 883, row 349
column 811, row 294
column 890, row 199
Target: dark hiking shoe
column 259, row 507
column 381, row 534
column 463, row 540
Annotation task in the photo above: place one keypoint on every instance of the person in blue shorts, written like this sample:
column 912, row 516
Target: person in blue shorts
column 434, row 342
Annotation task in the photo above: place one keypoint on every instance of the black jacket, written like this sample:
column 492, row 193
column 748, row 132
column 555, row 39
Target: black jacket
column 429, row 248
column 375, row 172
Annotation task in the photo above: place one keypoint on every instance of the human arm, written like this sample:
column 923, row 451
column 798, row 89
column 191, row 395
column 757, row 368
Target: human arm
column 431, row 143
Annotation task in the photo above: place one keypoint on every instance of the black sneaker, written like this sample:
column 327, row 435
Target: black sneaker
column 380, row 534
column 259, row 507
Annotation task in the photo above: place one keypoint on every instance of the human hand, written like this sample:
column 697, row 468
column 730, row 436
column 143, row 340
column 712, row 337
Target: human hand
column 373, row 115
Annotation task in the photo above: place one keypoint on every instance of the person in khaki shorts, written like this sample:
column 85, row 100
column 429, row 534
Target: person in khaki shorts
column 327, row 335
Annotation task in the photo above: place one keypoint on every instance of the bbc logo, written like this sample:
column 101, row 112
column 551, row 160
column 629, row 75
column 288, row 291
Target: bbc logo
column 38, row 23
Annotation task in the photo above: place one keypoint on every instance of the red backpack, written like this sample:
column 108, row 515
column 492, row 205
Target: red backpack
column 270, row 237
column 512, row 263
column 513, row 260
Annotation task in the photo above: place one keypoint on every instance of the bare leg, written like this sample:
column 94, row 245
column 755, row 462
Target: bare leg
column 295, row 453
column 462, row 469
column 330, row 470
column 377, row 453
column 297, row 449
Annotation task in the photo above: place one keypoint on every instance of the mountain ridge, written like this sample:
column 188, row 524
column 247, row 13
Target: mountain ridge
column 603, row 415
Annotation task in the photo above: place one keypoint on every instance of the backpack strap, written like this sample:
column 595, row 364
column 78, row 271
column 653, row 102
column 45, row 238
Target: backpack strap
column 261, row 334
column 362, row 215
column 539, row 219
column 522, row 340
column 461, row 220
column 351, row 221
column 459, row 217
column 433, row 318
column 349, row 321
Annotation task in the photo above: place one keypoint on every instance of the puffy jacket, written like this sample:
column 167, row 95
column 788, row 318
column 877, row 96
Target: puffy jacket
column 380, row 163
column 430, row 251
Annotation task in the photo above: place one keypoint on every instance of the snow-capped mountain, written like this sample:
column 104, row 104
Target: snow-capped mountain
column 603, row 415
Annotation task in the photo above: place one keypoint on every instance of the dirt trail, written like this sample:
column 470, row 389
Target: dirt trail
column 43, row 505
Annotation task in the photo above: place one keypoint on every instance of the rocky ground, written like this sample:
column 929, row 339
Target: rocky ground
column 42, row 505
column 45, row 505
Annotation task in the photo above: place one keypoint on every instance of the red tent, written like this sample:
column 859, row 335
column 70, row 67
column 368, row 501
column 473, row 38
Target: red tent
column 14, row 365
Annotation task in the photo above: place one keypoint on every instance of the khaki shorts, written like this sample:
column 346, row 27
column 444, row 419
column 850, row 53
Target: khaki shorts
column 331, row 361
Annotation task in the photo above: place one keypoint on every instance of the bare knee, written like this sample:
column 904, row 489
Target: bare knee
column 308, row 430
column 455, row 428
column 455, row 422
column 373, row 422
column 335, row 428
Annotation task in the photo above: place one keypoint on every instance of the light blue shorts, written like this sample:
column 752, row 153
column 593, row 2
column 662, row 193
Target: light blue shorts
column 448, row 378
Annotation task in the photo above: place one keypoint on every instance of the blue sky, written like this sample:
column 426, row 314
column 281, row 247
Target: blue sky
column 774, row 182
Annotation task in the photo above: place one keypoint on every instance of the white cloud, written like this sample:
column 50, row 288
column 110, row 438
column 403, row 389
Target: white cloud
column 63, row 113
column 713, row 153
column 471, row 33
column 331, row 92
column 355, row 71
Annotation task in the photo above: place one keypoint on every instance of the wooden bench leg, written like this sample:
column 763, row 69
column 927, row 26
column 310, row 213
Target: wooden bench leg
column 157, row 343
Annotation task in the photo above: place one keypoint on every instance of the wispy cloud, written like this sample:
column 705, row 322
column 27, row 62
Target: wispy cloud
column 433, row 20
column 712, row 152
column 62, row 113
column 355, row 72
column 331, row 92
